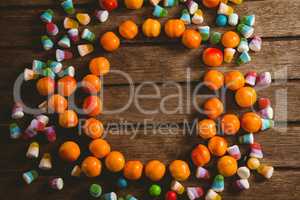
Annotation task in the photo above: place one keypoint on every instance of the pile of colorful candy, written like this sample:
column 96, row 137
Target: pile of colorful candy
column 230, row 161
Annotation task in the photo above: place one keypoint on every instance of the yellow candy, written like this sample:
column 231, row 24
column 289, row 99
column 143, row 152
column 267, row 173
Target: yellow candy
column 236, row 1
column 85, row 49
column 83, row 18
column 70, row 23
column 253, row 163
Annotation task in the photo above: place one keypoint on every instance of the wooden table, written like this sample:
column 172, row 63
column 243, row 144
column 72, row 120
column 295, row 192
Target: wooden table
column 159, row 60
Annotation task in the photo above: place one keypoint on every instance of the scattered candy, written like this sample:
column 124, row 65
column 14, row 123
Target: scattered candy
column 64, row 42
column 47, row 16
column 155, row 190
column 192, row 6
column 159, row 11
column 171, row 195
column 267, row 113
column 266, row 171
column 155, row 170
column 245, row 30
column 255, row 44
column 156, row 2
column 108, row 5
column 63, row 55
column 83, row 18
column 242, row 184
column 56, row 67
column 74, row 34
column 37, row 66
column 229, row 54
column 47, row 72
column 29, row 74
column 243, row 172
column 133, row 170
column 233, row 19
column 30, row 176
column 215, row 38
column 185, row 16
column 15, row 131
column 253, row 163
column 267, row 124
column 68, row 7
column 264, row 79
column 250, row 78
column 122, row 183
column 244, row 58
column 177, row 187
column 212, row 195
column 198, row 17
column 52, row 29
column 221, row 20
column 17, row 111
column 204, row 32
column 194, row 192
column 218, row 184
column 102, row 15
column 76, row 171
column 236, row 1
column 110, row 196
column 70, row 23
column 50, row 133
column 130, row 197
column 256, row 151
column 69, row 151
column 45, row 163
column 88, row 35
column 47, row 42
column 243, row 46
column 95, row 190
column 248, row 20
column 202, row 173
column 33, row 150
column 166, row 3
column 85, row 49
column 29, row 133
column 234, row 151
column 225, row 9
column 246, row 139
column 69, row 71
column 110, row 41
column 56, row 183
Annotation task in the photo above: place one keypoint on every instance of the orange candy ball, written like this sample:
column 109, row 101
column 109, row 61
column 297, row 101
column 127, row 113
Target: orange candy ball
column 246, row 97
column 213, row 108
column 133, row 170
column 200, row 155
column 191, row 39
column 99, row 148
column 217, row 146
column 251, row 122
column 115, row 161
column 155, row 170
column 66, row 86
column 151, row 28
column 68, row 119
column 230, row 39
column 57, row 103
column 212, row 57
column 234, row 80
column 227, row 166
column 69, row 151
column 174, row 28
column 91, row 166
column 230, row 124
column 45, row 86
column 91, row 83
column 133, row 4
column 99, row 66
column 211, row 3
column 206, row 128
column 179, row 170
column 128, row 29
column 93, row 128
column 214, row 79
column 92, row 106
column 110, row 41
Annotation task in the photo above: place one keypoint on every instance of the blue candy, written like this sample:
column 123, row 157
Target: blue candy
column 221, row 20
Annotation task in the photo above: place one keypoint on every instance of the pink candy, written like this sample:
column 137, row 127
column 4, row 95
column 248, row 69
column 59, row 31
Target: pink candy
column 202, row 173
column 50, row 133
column 250, row 78
column 256, row 151
column 194, row 192
column 17, row 111
column 234, row 151
column 52, row 29
column 264, row 79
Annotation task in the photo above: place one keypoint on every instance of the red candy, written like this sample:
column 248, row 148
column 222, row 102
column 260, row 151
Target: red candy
column 171, row 195
column 212, row 57
column 264, row 103
column 108, row 5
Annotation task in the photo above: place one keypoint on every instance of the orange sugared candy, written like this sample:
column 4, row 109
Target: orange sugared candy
column 174, row 28
column 213, row 108
column 179, row 170
column 99, row 66
column 230, row 39
column 234, row 80
column 230, row 124
column 115, row 161
column 206, row 128
column 212, row 57
column 217, row 146
column 92, row 106
column 251, row 122
column 200, row 155
column 151, row 28
column 227, row 166
column 128, row 29
column 155, row 170
column 93, row 128
column 191, row 39
column 110, row 41
column 211, row 3
column 214, row 79
column 91, row 166
column 246, row 97
column 45, row 86
column 99, row 148
column 133, row 170
column 57, row 103
column 91, row 83
column 68, row 119
column 66, row 86
column 69, row 151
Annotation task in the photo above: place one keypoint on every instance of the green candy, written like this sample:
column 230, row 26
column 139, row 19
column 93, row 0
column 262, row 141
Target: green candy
column 155, row 190
column 215, row 38
column 95, row 190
